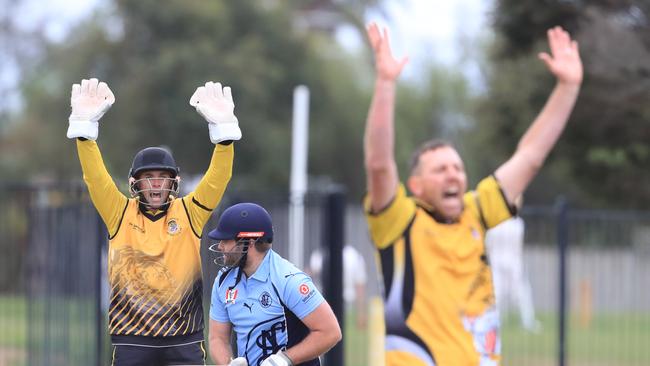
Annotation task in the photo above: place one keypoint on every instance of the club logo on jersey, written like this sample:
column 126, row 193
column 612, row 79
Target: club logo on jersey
column 265, row 299
column 231, row 295
column 272, row 339
column 172, row 227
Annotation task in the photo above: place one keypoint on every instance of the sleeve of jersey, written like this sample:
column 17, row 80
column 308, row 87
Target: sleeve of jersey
column 301, row 296
column 108, row 200
column 388, row 225
column 489, row 202
column 217, row 310
column 208, row 192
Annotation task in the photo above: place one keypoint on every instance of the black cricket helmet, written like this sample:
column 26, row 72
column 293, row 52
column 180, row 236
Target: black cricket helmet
column 153, row 158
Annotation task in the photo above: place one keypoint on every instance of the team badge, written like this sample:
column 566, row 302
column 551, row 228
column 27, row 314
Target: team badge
column 231, row 295
column 172, row 227
column 265, row 299
column 304, row 289
column 306, row 292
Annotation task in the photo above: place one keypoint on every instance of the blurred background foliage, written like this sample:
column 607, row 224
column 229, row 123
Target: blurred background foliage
column 603, row 157
column 153, row 55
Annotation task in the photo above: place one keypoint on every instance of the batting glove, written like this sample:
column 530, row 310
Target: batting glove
column 278, row 359
column 239, row 361
column 89, row 101
column 216, row 106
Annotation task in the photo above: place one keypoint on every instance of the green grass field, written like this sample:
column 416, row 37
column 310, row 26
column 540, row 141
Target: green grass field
column 62, row 331
column 609, row 339
column 13, row 330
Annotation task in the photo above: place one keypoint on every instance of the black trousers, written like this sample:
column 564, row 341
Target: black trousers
column 189, row 354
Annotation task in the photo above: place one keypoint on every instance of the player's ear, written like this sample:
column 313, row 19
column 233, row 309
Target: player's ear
column 414, row 184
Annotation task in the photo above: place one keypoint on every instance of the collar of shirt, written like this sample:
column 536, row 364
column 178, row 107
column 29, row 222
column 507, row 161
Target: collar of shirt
column 264, row 269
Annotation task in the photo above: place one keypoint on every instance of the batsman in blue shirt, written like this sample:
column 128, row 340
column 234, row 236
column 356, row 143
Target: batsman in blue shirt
column 276, row 312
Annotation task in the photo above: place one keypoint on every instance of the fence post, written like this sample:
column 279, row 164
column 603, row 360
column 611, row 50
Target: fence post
column 102, row 236
column 333, row 237
column 562, row 209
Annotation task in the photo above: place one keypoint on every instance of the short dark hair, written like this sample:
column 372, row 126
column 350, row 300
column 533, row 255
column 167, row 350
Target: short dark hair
column 262, row 245
column 429, row 145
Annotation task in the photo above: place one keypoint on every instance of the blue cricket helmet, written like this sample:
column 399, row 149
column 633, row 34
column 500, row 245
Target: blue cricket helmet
column 244, row 220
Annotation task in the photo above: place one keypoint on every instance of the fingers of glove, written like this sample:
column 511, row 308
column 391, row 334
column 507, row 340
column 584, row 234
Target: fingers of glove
column 209, row 88
column 228, row 94
column 198, row 96
column 92, row 87
column 103, row 91
column 84, row 86
column 218, row 92
column 76, row 91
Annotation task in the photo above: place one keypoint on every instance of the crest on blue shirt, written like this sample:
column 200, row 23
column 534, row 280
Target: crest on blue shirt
column 231, row 295
column 265, row 299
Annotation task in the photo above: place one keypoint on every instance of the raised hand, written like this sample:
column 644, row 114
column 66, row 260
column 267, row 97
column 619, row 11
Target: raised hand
column 215, row 104
column 564, row 61
column 89, row 101
column 387, row 66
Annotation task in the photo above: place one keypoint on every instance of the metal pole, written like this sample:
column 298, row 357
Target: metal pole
column 333, row 236
column 102, row 236
column 298, row 188
column 563, row 243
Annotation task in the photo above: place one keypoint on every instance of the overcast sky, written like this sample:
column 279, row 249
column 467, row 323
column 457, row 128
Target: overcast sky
column 421, row 28
column 425, row 30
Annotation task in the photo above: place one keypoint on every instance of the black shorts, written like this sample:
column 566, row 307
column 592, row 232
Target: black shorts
column 188, row 354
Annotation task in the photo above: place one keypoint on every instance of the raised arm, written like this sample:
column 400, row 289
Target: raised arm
column 533, row 148
column 215, row 103
column 379, row 140
column 89, row 100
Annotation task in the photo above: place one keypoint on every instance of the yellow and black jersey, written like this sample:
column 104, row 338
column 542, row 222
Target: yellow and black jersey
column 154, row 259
column 438, row 292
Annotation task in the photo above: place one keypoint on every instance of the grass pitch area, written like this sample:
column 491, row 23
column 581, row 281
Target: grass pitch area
column 608, row 339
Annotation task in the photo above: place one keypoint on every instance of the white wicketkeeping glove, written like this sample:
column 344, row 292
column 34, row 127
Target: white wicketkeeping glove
column 239, row 361
column 278, row 359
column 89, row 101
column 216, row 106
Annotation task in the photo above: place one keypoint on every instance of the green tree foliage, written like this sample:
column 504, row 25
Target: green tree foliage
column 603, row 156
column 154, row 55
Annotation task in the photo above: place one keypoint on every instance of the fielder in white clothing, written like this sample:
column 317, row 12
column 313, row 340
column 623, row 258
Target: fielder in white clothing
column 354, row 279
column 505, row 247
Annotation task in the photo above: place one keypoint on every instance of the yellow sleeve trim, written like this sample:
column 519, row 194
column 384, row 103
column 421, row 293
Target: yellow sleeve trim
column 488, row 203
column 389, row 224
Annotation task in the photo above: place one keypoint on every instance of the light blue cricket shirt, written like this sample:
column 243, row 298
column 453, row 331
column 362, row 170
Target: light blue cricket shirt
column 265, row 309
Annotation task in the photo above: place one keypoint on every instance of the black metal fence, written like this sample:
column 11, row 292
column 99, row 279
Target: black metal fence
column 52, row 289
column 51, row 245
